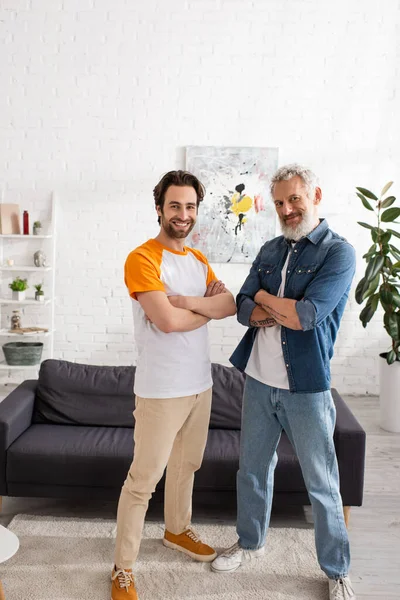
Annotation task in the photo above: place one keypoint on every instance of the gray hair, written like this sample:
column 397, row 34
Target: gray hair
column 288, row 171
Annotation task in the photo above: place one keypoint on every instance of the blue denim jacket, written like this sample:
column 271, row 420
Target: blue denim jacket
column 319, row 274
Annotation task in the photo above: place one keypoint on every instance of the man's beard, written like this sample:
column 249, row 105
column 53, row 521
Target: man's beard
column 302, row 229
column 174, row 232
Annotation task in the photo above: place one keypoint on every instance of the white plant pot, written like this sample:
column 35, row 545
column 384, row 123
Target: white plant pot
column 18, row 295
column 389, row 395
column 39, row 297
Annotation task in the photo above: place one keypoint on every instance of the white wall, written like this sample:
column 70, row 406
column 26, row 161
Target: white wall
column 97, row 102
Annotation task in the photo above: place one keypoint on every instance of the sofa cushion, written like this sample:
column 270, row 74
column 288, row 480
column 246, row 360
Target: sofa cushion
column 228, row 384
column 64, row 455
column 68, row 455
column 75, row 394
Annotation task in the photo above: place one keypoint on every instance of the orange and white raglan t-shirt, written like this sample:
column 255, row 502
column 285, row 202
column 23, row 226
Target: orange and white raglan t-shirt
column 169, row 365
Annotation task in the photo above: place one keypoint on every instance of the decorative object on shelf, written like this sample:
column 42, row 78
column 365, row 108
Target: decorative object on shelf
column 39, row 258
column 26, row 222
column 37, row 267
column 18, row 286
column 39, row 294
column 23, row 353
column 37, row 228
column 15, row 320
column 9, row 219
column 29, row 330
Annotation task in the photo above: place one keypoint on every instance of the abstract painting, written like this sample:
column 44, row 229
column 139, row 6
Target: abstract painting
column 237, row 215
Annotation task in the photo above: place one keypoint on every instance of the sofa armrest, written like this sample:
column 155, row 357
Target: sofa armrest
column 15, row 417
column 350, row 440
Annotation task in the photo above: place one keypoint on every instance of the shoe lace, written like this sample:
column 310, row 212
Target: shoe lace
column 125, row 578
column 232, row 550
column 193, row 535
column 342, row 589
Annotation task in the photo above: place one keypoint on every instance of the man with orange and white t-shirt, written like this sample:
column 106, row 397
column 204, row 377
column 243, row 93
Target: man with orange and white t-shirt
column 174, row 294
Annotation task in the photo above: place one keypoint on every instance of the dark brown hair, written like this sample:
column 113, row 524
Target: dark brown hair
column 180, row 178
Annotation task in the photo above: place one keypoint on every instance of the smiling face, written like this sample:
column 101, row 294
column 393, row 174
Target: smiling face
column 297, row 209
column 179, row 213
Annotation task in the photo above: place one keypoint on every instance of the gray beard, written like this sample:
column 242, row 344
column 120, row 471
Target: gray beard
column 305, row 227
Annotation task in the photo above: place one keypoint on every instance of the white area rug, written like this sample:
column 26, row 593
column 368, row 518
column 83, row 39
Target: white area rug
column 71, row 559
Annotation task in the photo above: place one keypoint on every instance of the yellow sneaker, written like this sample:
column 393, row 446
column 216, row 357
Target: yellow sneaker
column 189, row 543
column 123, row 585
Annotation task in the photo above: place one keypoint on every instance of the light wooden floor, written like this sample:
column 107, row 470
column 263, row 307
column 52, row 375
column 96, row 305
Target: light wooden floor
column 374, row 528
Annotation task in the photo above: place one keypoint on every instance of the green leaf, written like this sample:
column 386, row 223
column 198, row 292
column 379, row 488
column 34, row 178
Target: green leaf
column 368, row 312
column 396, row 297
column 374, row 301
column 387, row 202
column 386, row 297
column 372, row 287
column 388, row 263
column 367, row 193
column 390, row 214
column 366, row 288
column 395, row 233
column 385, row 237
column 394, row 252
column 391, row 357
column 386, row 188
column 392, row 325
column 364, row 201
column 365, row 225
column 362, row 286
column 374, row 266
column 371, row 252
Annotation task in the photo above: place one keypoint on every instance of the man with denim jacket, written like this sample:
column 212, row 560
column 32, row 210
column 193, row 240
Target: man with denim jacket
column 292, row 301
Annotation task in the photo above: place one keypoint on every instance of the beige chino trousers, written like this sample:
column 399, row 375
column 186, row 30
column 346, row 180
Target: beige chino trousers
column 172, row 433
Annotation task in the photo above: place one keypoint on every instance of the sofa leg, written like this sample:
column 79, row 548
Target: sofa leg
column 2, row 596
column 346, row 512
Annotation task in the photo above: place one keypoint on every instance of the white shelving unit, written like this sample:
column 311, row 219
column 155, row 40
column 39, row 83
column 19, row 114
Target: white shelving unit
column 48, row 245
column 24, row 269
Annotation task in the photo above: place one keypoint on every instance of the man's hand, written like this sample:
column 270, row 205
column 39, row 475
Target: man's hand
column 283, row 310
column 214, row 288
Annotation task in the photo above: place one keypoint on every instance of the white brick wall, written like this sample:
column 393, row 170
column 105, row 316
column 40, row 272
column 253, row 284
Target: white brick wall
column 97, row 99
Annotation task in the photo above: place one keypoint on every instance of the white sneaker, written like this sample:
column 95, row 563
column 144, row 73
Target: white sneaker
column 341, row 589
column 233, row 557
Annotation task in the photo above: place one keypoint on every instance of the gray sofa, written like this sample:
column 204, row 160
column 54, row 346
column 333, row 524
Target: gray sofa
column 69, row 434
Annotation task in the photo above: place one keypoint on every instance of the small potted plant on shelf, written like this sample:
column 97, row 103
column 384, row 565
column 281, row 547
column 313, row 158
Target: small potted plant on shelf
column 37, row 228
column 39, row 294
column 18, row 286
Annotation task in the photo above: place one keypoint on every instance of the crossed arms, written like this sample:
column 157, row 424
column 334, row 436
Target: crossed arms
column 281, row 311
column 257, row 307
column 187, row 313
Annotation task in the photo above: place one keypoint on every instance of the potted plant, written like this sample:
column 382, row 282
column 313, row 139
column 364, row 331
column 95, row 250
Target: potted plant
column 18, row 286
column 39, row 294
column 37, row 228
column 380, row 287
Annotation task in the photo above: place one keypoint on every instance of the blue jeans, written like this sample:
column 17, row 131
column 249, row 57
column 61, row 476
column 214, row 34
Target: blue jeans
column 309, row 421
